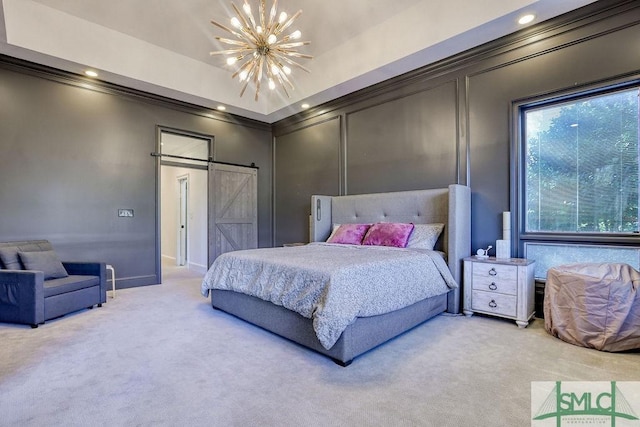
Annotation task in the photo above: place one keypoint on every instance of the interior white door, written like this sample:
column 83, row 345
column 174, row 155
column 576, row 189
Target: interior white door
column 233, row 223
column 183, row 220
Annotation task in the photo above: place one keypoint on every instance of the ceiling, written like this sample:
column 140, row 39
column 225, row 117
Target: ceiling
column 162, row 46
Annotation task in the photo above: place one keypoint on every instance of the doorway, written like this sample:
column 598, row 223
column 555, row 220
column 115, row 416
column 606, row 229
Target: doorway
column 213, row 203
column 183, row 201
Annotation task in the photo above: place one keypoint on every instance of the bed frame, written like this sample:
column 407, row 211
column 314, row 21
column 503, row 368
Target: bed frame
column 451, row 206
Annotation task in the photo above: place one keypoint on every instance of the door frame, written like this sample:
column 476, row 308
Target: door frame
column 159, row 163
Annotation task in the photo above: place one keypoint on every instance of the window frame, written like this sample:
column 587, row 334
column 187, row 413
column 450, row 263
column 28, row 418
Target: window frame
column 518, row 159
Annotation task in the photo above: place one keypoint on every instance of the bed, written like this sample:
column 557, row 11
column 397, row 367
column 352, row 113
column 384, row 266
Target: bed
column 343, row 338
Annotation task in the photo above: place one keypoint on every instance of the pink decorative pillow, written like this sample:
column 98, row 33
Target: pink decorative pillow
column 388, row 234
column 349, row 234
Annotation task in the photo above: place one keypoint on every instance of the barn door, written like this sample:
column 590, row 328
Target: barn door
column 233, row 209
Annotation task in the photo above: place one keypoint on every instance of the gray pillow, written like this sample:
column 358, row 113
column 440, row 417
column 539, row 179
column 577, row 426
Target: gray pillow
column 9, row 258
column 45, row 261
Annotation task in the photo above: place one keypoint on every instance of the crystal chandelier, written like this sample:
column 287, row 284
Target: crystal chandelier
column 260, row 50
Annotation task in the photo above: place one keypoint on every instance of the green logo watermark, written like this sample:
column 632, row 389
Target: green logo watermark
column 578, row 403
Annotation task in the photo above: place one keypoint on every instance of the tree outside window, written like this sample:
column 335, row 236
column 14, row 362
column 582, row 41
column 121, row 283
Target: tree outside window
column 581, row 165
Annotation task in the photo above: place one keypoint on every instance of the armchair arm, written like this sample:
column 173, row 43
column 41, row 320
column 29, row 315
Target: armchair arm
column 83, row 268
column 22, row 296
column 90, row 269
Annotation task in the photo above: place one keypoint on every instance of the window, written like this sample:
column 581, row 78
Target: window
column 577, row 177
column 580, row 165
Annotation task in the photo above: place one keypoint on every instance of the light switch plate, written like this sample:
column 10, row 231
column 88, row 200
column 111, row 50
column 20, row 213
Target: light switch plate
column 126, row 213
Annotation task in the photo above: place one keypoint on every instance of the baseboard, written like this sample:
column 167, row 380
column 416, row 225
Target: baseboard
column 133, row 282
column 193, row 266
column 169, row 258
column 198, row 268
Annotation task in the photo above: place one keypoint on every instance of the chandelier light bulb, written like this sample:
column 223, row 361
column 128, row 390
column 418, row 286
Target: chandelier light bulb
column 258, row 49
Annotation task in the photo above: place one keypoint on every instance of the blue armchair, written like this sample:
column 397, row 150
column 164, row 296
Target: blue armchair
column 35, row 286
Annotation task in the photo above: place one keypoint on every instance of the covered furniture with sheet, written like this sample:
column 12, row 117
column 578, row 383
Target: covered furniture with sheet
column 595, row 305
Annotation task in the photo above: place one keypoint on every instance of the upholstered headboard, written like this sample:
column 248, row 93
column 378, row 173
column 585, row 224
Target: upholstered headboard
column 451, row 206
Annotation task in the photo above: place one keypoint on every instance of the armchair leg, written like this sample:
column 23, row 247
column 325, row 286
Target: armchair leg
column 100, row 305
column 34, row 325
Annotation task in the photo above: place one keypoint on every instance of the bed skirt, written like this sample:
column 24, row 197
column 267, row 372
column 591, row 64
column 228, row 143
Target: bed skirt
column 362, row 335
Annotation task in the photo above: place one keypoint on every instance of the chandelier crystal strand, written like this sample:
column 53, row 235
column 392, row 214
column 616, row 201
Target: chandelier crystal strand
column 258, row 50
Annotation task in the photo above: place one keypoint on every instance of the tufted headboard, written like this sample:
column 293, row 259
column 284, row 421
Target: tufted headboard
column 451, row 206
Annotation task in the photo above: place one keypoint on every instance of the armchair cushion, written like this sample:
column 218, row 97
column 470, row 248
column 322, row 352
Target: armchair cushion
column 45, row 261
column 69, row 284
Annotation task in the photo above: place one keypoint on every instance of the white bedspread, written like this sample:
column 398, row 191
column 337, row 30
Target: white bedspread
column 332, row 284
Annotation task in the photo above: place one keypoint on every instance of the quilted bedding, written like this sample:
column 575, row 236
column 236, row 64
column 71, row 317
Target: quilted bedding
column 331, row 283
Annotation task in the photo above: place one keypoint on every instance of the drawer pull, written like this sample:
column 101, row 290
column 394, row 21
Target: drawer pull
column 493, row 272
column 493, row 304
column 493, row 286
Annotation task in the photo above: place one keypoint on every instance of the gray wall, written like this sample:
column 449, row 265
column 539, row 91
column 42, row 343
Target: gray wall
column 306, row 163
column 450, row 123
column 71, row 156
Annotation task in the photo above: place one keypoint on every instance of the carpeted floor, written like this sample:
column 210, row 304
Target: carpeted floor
column 161, row 356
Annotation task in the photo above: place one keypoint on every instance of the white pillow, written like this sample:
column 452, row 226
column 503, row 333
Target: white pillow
column 425, row 236
column 334, row 228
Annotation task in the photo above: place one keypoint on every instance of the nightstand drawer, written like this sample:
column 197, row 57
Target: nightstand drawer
column 490, row 302
column 491, row 284
column 497, row 271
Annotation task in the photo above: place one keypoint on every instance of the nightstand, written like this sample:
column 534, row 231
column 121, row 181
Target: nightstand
column 499, row 287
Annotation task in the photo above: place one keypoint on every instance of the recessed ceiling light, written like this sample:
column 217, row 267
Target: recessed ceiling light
column 221, row 108
column 526, row 19
column 305, row 106
column 91, row 73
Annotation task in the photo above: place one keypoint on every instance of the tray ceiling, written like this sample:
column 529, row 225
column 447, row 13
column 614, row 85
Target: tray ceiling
column 162, row 46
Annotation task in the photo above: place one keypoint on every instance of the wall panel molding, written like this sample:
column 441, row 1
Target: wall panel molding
column 598, row 42
column 585, row 17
